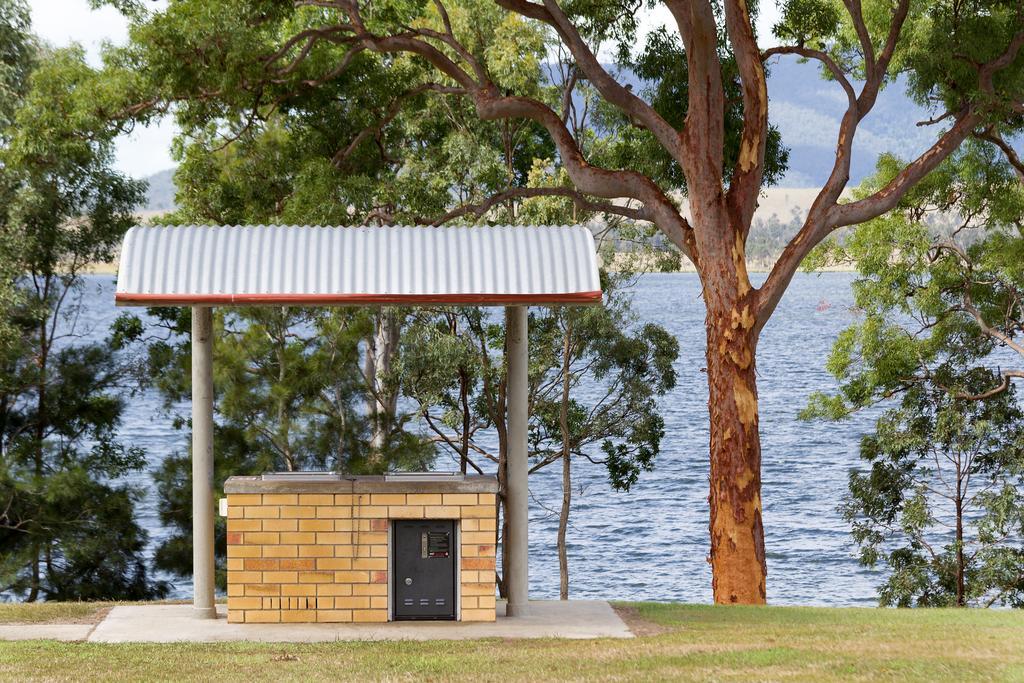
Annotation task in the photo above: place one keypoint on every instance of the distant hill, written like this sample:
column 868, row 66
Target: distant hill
column 160, row 193
column 805, row 108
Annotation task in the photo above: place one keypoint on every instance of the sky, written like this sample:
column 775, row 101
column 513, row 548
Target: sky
column 61, row 22
column 147, row 150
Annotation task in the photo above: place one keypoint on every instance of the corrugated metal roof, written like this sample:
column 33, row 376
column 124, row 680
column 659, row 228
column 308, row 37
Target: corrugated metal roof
column 304, row 265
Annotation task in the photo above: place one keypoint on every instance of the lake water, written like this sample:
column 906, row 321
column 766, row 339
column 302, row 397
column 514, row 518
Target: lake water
column 652, row 543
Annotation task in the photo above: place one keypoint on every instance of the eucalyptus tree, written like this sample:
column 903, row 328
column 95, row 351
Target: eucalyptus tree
column 940, row 505
column 595, row 376
column 452, row 361
column 941, row 288
column 700, row 126
column 17, row 58
column 67, row 526
column 314, row 388
column 941, row 280
column 290, row 387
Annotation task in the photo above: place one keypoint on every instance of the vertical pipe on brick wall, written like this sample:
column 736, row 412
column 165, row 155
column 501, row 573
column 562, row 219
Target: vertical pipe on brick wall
column 202, row 462
column 517, row 543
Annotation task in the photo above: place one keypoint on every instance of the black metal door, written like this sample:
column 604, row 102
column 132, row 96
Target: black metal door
column 424, row 569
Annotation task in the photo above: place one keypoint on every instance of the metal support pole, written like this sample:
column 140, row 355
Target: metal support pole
column 517, row 502
column 202, row 463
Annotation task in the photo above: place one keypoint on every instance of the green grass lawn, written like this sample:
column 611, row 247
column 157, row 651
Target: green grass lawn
column 61, row 612
column 679, row 642
column 53, row 612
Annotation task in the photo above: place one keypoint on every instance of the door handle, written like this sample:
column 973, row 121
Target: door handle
column 408, row 581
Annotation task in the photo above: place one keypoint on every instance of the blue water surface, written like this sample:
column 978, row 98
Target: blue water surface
column 652, row 543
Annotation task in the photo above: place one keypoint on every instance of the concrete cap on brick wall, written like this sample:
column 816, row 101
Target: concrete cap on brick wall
column 334, row 483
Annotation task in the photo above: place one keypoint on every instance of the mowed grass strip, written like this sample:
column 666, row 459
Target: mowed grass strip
column 66, row 612
column 685, row 643
column 53, row 612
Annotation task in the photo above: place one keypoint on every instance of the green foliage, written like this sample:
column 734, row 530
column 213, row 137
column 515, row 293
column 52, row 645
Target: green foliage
column 940, row 289
column 289, row 395
column 941, row 46
column 662, row 67
column 951, row 250
column 313, row 143
column 173, row 482
column 943, row 500
column 631, row 369
column 945, row 45
column 452, row 366
column 17, row 58
column 809, row 22
column 67, row 527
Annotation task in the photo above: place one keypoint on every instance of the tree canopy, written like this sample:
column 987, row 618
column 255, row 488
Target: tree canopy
column 698, row 124
column 67, row 519
column 941, row 290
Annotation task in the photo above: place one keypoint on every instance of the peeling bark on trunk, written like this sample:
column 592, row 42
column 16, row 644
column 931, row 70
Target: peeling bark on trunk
column 737, row 532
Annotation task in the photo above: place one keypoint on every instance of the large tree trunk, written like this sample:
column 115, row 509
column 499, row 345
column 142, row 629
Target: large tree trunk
column 737, row 533
column 382, row 401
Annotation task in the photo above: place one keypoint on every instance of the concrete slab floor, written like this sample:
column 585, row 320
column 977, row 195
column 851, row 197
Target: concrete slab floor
column 176, row 623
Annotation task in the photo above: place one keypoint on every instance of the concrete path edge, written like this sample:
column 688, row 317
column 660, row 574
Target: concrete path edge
column 65, row 632
column 176, row 623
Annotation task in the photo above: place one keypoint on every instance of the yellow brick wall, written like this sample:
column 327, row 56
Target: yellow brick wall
column 304, row 557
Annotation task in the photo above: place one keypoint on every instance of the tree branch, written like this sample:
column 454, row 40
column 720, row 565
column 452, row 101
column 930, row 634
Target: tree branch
column 392, row 111
column 986, row 329
column 889, row 196
column 589, row 179
column 490, row 105
column 991, row 135
column 826, row 214
column 704, row 130
column 1007, row 376
column 479, row 209
column 611, row 90
column 853, row 8
column 895, row 28
column 823, row 57
column 822, row 222
column 746, row 179
column 310, row 36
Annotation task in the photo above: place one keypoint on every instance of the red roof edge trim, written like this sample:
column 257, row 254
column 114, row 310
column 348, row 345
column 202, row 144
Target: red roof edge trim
column 128, row 299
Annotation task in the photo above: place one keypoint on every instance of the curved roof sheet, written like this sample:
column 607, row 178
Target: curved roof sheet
column 304, row 265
